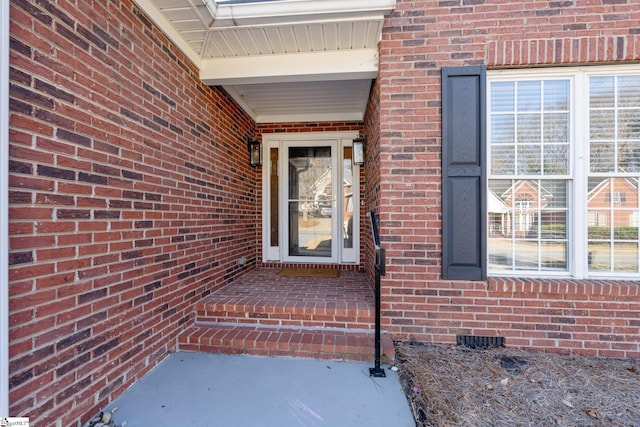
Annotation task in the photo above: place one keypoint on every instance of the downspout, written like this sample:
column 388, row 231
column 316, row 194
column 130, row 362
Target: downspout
column 4, row 208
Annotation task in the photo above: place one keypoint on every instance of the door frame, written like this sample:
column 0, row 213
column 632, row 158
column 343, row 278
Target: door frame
column 281, row 141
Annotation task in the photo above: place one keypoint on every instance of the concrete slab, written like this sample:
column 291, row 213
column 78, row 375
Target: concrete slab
column 199, row 389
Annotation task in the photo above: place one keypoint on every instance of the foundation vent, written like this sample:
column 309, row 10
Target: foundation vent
column 473, row 341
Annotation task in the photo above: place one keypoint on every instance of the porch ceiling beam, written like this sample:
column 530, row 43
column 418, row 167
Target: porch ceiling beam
column 308, row 117
column 291, row 67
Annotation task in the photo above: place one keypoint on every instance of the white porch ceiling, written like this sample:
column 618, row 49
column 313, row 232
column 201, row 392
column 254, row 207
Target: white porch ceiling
column 281, row 60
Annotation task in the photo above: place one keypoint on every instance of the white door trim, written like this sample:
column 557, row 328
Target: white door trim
column 281, row 140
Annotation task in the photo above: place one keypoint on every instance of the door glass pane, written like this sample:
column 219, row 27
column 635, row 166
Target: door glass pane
column 274, row 216
column 347, row 204
column 310, row 201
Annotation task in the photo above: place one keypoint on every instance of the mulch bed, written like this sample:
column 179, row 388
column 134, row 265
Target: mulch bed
column 459, row 386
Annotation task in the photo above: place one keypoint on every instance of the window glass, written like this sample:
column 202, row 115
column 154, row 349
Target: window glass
column 528, row 94
column 556, row 95
column 614, row 103
column 503, row 97
column 529, row 140
column 347, row 194
column 613, row 224
column 628, row 91
column 527, row 225
column 543, row 217
column 601, row 92
column 274, row 219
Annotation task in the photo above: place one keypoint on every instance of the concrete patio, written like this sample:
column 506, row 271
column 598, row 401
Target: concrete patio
column 198, row 389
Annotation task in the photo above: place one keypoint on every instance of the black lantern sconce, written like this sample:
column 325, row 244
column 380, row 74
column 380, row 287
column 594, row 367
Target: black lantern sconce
column 255, row 153
column 358, row 150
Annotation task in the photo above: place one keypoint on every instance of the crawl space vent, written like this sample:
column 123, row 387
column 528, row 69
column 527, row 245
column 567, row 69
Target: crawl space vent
column 473, row 341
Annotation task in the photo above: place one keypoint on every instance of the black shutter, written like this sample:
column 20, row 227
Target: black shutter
column 464, row 213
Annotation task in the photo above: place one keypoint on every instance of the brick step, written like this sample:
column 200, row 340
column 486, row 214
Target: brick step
column 294, row 313
column 263, row 297
column 265, row 340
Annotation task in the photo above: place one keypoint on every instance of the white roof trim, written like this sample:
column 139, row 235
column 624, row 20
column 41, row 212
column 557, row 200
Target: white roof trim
column 266, row 13
column 174, row 35
column 287, row 11
column 291, row 67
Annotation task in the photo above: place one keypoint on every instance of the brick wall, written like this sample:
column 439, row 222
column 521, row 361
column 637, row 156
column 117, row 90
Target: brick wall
column 371, row 186
column 296, row 127
column 419, row 39
column 131, row 197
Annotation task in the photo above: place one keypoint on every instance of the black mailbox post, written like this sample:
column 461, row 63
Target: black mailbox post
column 380, row 268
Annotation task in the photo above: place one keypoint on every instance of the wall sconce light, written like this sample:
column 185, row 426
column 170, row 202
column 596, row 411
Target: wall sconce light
column 255, row 153
column 358, row 150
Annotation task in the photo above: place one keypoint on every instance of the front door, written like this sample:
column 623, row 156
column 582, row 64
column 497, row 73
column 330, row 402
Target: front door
column 310, row 185
column 309, row 213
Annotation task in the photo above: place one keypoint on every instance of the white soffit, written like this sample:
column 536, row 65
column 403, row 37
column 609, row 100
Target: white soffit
column 342, row 100
column 238, row 44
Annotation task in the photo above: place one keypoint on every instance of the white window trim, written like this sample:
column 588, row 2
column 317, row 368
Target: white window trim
column 577, row 220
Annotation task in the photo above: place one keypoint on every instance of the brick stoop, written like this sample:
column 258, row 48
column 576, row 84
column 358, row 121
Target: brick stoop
column 264, row 314
column 257, row 340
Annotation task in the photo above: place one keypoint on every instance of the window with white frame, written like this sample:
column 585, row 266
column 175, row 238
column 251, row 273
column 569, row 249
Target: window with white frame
column 564, row 165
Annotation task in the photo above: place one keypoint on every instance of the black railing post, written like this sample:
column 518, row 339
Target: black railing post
column 380, row 270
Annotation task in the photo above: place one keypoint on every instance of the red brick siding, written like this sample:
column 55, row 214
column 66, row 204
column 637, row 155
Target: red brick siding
column 418, row 40
column 371, row 186
column 131, row 197
column 263, row 128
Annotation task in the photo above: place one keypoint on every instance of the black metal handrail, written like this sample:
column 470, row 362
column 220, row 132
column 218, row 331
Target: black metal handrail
column 380, row 267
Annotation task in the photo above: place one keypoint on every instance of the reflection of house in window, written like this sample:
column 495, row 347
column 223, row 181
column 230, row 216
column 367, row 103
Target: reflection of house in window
column 526, row 199
column 598, row 219
column 613, row 202
column 617, row 198
column 498, row 214
column 523, row 214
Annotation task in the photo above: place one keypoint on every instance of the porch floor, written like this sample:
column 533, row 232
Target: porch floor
column 262, row 313
column 196, row 389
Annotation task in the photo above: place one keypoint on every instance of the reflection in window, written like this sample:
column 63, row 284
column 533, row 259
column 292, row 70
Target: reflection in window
column 310, row 201
column 528, row 221
column 347, row 193
column 532, row 187
column 529, row 143
column 614, row 113
column 274, row 218
column 530, row 127
column 613, row 224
